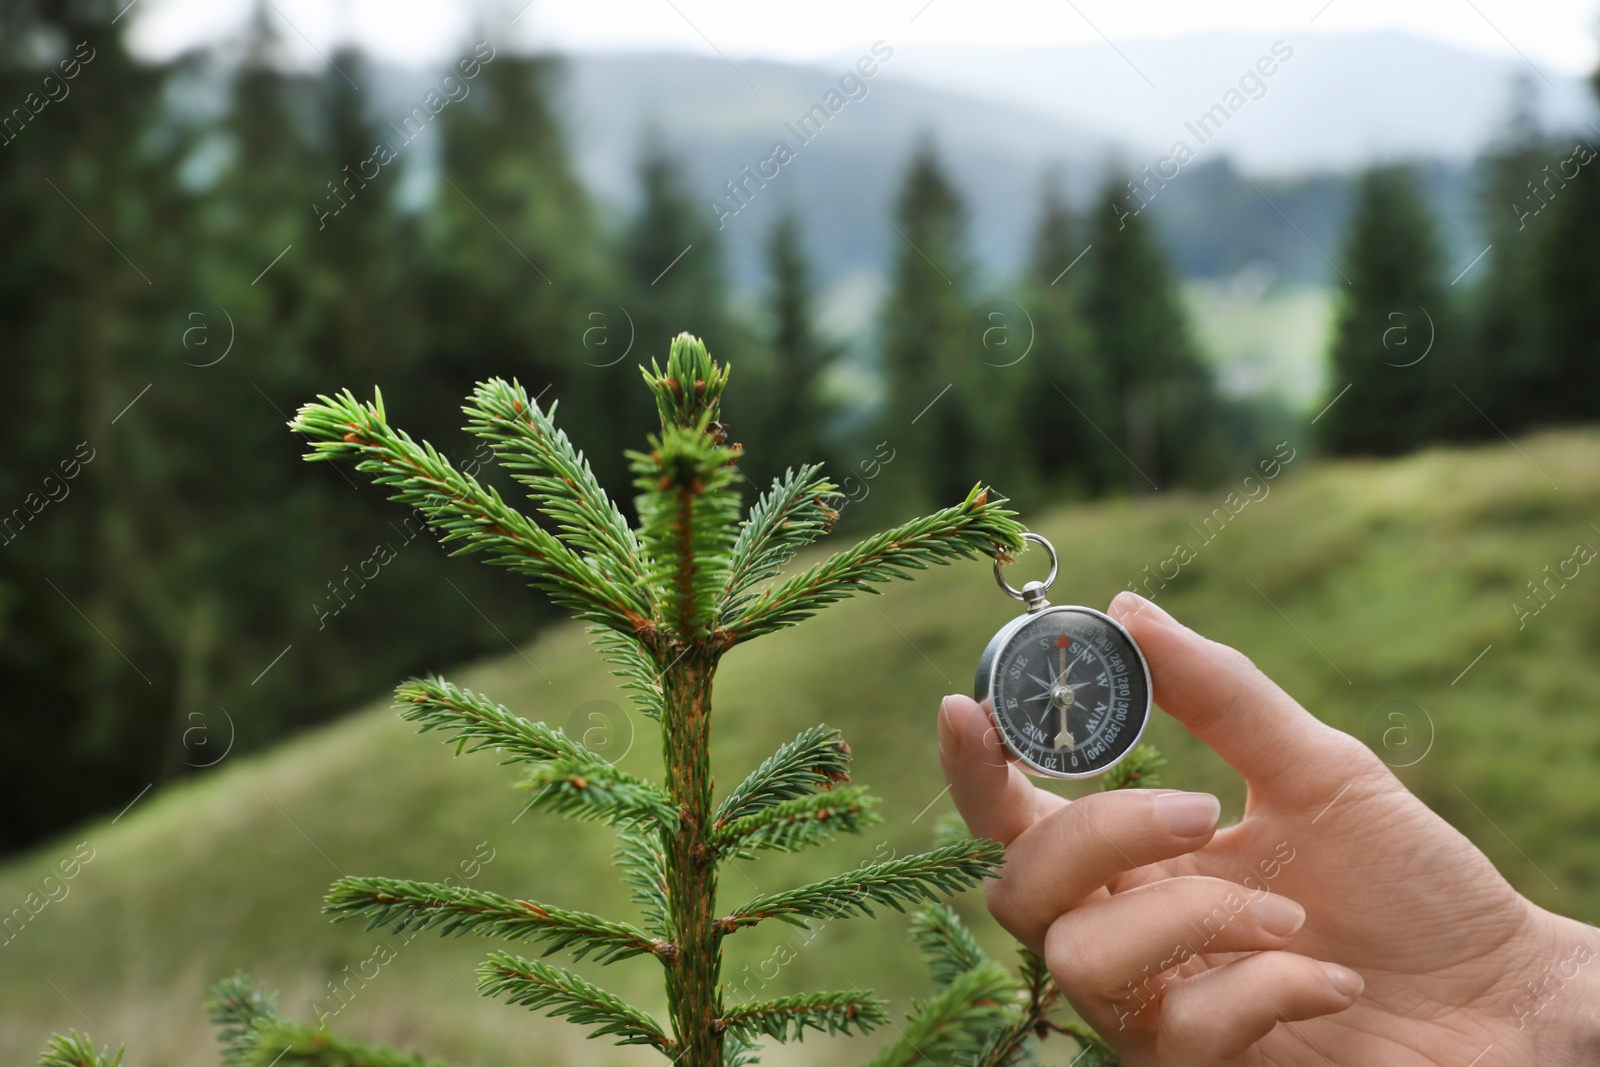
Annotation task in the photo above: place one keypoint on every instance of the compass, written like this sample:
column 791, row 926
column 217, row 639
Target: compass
column 1066, row 686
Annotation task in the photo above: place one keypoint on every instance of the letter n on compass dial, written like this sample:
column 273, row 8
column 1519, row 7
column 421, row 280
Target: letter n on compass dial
column 1069, row 690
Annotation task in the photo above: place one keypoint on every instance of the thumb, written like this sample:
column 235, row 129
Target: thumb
column 994, row 797
column 1225, row 701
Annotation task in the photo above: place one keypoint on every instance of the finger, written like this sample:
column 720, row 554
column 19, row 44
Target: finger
column 1126, row 946
column 1225, row 701
column 994, row 797
column 1067, row 855
column 1214, row 1017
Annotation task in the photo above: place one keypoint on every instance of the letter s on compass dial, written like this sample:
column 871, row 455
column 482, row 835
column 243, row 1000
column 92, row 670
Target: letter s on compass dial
column 1068, row 690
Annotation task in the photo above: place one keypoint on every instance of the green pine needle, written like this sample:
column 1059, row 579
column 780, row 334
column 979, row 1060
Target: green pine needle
column 786, row 1018
column 799, row 508
column 403, row 905
column 76, row 1050
column 235, row 1006
column 1138, row 769
column 978, row 526
column 690, row 388
column 895, row 884
column 284, row 1044
column 253, row 1034
column 561, row 993
column 816, row 758
column 598, row 791
column 340, row 427
column 641, row 679
column 795, row 824
column 950, row 828
column 953, row 1026
column 688, row 517
column 644, row 872
column 475, row 722
column 1094, row 1052
column 562, row 486
column 946, row 944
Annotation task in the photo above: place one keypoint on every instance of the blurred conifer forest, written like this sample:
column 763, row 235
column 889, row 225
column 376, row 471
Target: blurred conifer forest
column 192, row 249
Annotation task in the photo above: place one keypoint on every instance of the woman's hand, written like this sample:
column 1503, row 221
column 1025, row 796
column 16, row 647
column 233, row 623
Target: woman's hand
column 1340, row 922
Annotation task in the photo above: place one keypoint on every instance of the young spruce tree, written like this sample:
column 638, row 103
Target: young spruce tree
column 666, row 601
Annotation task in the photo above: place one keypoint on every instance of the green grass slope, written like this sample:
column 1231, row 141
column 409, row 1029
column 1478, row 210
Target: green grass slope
column 1355, row 585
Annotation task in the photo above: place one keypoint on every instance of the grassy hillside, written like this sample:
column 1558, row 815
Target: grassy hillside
column 1355, row 585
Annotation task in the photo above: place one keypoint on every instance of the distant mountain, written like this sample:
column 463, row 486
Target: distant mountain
column 1268, row 190
column 841, row 178
column 844, row 180
column 1338, row 100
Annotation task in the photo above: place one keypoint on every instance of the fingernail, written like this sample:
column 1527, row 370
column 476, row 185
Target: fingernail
column 1345, row 982
column 1128, row 604
column 1188, row 814
column 949, row 737
column 1279, row 916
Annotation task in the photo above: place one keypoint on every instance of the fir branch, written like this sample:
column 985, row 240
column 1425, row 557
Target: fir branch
column 1094, row 1052
column 1009, row 1045
column 894, row 883
column 688, row 510
column 561, row 993
column 234, row 1009
column 540, row 456
column 280, row 1043
column 950, row 828
column 799, row 508
column 341, row 427
column 689, row 389
column 403, row 905
column 1138, row 769
column 817, row 757
column 640, row 677
column 474, row 722
column 598, row 792
column 253, row 1034
column 786, row 1018
column 952, row 1027
column 76, row 1050
column 946, row 943
column 644, row 872
column 976, row 527
column 739, row 1052
column 794, row 824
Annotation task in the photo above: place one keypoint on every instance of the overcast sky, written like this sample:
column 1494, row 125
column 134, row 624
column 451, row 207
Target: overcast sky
column 1553, row 34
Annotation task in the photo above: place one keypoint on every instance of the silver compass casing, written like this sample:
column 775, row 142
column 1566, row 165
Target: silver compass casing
column 989, row 664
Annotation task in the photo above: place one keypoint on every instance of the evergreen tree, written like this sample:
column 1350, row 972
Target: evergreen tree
column 1567, row 287
column 511, row 239
column 795, row 412
column 1515, row 372
column 928, row 368
column 1067, row 456
column 88, row 217
column 672, row 279
column 1164, row 413
column 665, row 600
column 1396, row 345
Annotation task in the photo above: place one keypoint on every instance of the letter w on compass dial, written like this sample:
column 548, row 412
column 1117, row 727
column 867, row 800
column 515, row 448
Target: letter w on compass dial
column 1072, row 692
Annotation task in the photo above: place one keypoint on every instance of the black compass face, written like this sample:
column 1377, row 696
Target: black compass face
column 1069, row 690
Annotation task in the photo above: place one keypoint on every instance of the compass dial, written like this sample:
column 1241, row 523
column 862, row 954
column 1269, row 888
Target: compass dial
column 1068, row 689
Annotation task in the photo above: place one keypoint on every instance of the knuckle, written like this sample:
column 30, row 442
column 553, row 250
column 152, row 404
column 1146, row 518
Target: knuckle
column 1000, row 896
column 1185, row 1021
column 1068, row 962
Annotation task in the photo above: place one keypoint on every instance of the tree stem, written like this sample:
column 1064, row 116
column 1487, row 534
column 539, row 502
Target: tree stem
column 691, row 873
